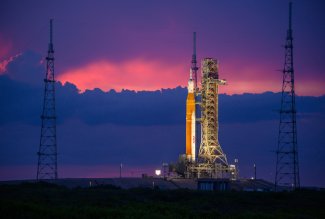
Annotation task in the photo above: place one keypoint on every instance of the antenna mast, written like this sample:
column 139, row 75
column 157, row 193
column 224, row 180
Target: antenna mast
column 287, row 166
column 47, row 154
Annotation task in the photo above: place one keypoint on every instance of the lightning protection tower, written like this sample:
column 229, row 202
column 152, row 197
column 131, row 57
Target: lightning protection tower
column 47, row 154
column 287, row 168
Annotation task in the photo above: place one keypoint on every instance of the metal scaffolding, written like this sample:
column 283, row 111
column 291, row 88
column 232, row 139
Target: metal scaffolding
column 212, row 161
column 210, row 155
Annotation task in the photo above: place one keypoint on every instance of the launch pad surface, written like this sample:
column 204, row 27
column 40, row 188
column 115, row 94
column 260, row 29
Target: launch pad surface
column 155, row 183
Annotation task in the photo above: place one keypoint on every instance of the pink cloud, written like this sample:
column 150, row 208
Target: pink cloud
column 5, row 47
column 248, row 79
column 140, row 74
column 134, row 75
column 259, row 78
column 4, row 63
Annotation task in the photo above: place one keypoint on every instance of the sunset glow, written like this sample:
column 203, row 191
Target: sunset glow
column 4, row 63
column 133, row 75
column 154, row 75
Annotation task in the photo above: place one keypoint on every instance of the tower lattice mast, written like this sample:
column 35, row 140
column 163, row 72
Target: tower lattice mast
column 287, row 166
column 47, row 154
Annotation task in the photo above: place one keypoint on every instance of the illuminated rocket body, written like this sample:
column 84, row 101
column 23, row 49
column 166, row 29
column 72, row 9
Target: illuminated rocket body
column 190, row 120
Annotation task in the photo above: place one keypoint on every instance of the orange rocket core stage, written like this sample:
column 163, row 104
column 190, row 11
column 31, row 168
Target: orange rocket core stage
column 190, row 121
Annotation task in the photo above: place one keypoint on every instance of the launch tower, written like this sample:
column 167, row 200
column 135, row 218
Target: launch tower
column 287, row 167
column 47, row 154
column 212, row 162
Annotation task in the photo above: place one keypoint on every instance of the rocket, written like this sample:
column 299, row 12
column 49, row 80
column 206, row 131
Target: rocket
column 190, row 119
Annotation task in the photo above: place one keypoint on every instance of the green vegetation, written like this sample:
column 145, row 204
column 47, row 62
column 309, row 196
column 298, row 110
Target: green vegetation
column 42, row 200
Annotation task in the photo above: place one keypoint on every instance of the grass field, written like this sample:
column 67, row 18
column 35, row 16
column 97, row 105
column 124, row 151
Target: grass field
column 43, row 200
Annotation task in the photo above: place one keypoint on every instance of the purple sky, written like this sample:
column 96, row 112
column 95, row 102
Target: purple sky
column 150, row 41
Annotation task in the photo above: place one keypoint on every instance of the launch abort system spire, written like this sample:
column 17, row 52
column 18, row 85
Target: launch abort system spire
column 47, row 154
column 287, row 167
column 194, row 66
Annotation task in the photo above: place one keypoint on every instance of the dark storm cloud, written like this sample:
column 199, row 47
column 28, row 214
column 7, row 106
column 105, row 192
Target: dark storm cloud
column 19, row 102
column 163, row 107
column 22, row 102
column 28, row 67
